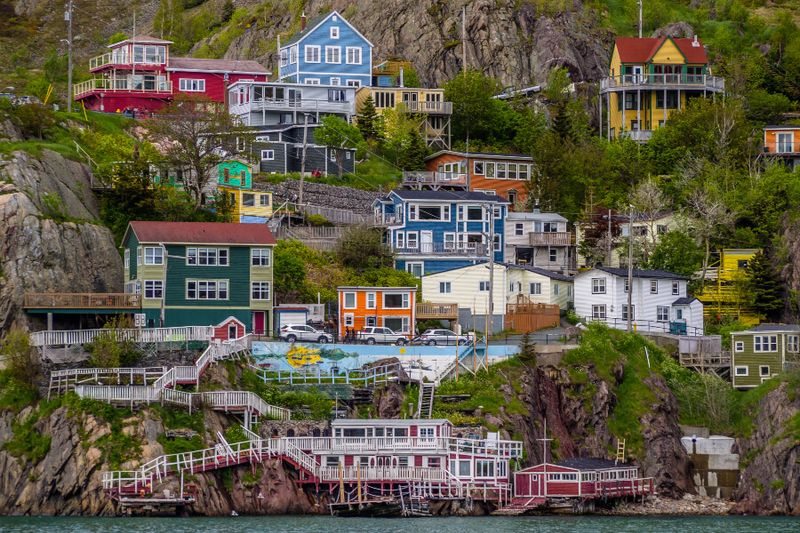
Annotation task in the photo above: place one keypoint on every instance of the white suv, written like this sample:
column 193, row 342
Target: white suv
column 299, row 332
column 371, row 335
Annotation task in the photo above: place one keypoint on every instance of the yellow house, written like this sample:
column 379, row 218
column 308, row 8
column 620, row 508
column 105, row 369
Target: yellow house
column 649, row 79
column 426, row 104
column 248, row 205
column 724, row 291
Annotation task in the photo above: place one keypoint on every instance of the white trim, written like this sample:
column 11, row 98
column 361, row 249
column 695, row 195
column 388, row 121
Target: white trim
column 736, row 369
column 174, row 69
column 738, row 346
column 312, row 81
column 310, row 48
column 338, row 50
column 323, row 21
column 347, row 50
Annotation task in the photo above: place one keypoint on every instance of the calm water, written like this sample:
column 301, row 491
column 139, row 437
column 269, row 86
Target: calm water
column 316, row 524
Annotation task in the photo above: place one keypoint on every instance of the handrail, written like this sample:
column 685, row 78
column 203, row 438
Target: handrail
column 143, row 335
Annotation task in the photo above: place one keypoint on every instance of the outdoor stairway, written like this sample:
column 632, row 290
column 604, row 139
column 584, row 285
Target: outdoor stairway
column 464, row 358
column 518, row 506
column 425, row 402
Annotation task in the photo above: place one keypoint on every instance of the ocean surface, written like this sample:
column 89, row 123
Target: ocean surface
column 316, row 524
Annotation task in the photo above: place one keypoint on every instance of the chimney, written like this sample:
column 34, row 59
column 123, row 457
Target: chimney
column 303, row 21
column 695, row 43
column 536, row 206
column 401, row 77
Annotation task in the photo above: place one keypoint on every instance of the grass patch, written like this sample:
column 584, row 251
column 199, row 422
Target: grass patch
column 15, row 396
column 311, row 403
column 485, row 393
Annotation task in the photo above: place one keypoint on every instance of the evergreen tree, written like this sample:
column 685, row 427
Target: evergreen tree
column 527, row 350
column 227, row 11
column 414, row 152
column 765, row 287
column 369, row 122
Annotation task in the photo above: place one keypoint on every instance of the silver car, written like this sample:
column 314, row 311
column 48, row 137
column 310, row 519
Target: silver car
column 372, row 335
column 432, row 337
column 301, row 332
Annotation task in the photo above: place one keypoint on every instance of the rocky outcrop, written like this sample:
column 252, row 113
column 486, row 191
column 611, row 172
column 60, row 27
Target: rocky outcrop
column 49, row 241
column 770, row 479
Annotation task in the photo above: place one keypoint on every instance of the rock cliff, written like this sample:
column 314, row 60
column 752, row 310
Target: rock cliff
column 49, row 241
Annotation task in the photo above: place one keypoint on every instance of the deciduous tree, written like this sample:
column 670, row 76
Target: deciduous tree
column 339, row 135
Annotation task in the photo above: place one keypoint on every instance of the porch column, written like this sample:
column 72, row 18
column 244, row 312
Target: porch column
column 608, row 115
column 624, row 105
column 49, row 321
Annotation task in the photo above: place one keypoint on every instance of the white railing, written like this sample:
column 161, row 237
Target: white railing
column 430, row 177
column 144, row 335
column 440, row 108
column 367, row 473
column 301, row 105
column 666, row 81
column 146, row 374
column 355, row 445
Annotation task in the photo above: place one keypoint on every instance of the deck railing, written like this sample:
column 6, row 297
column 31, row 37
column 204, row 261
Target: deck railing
column 664, row 81
column 109, row 58
column 429, row 177
column 437, row 248
column 289, row 105
column 432, row 107
column 501, row 448
column 783, row 147
column 145, row 335
column 433, row 311
column 81, row 300
column 127, row 84
column 541, row 238
column 649, row 326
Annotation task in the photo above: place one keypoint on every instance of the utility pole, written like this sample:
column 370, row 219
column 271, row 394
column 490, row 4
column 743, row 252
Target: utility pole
column 640, row 18
column 608, row 240
column 490, row 323
column 303, row 159
column 630, row 268
column 68, row 18
column 464, row 39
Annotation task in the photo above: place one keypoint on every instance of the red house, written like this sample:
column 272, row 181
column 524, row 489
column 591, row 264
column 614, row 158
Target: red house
column 139, row 74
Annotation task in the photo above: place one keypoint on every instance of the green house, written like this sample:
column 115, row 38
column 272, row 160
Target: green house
column 200, row 273
column 763, row 352
column 235, row 173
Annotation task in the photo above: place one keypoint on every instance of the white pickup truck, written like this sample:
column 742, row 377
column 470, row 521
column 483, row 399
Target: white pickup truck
column 373, row 335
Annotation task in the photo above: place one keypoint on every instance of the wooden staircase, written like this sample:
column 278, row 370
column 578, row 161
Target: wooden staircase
column 520, row 506
column 620, row 458
column 425, row 402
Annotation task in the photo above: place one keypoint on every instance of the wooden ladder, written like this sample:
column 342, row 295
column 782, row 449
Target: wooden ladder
column 620, row 451
column 425, row 405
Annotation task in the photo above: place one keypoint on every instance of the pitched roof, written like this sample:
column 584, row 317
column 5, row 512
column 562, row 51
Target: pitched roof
column 449, row 196
column 200, row 232
column 495, row 155
column 312, row 24
column 542, row 272
column 216, row 65
column 145, row 39
column 642, row 50
column 585, row 463
column 521, row 215
column 684, row 301
column 637, row 273
column 776, row 327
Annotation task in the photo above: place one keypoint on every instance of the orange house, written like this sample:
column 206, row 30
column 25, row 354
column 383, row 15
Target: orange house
column 391, row 307
column 783, row 142
column 506, row 175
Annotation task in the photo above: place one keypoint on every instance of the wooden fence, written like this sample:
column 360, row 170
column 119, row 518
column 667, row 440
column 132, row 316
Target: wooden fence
column 527, row 317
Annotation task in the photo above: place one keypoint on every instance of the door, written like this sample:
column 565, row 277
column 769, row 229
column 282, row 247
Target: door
column 426, row 241
column 784, row 143
column 637, row 74
column 259, row 319
column 232, row 333
column 295, row 97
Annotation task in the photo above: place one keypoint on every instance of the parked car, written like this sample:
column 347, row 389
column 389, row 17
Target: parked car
column 372, row 335
column 301, row 332
column 432, row 337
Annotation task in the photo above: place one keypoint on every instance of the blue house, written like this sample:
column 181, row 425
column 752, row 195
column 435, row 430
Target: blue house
column 329, row 52
column 432, row 231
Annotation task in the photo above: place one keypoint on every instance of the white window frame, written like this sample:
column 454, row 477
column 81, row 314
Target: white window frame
column 760, row 342
column 412, row 236
column 268, row 155
column 738, row 346
column 260, row 257
column 653, row 286
column 349, row 320
column 344, row 300
column 153, row 286
column 336, row 81
column 260, row 291
column 155, row 259
column 519, row 228
column 220, row 286
column 293, row 55
column 412, row 264
column 334, row 32
column 354, row 83
column 793, row 343
column 761, row 372
column 535, row 288
column 284, row 58
column 312, row 81
column 553, row 255
column 662, row 317
column 483, row 286
column 313, row 53
column 676, row 288
column 331, row 51
column 127, row 256
column 192, row 85
column 625, row 312
column 400, row 239
column 406, row 300
column 598, row 285
column 371, row 300
column 599, row 312
column 357, row 55
column 738, row 374
column 445, row 287
column 216, row 255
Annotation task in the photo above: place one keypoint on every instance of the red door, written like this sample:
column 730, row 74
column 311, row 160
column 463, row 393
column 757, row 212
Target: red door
column 258, row 322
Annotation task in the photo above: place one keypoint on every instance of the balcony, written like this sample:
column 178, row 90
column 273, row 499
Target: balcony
column 663, row 81
column 782, row 148
column 417, row 179
column 433, row 108
column 287, row 105
column 441, row 249
column 638, row 135
column 550, row 238
column 58, row 300
column 147, row 62
column 126, row 84
column 431, row 311
column 388, row 219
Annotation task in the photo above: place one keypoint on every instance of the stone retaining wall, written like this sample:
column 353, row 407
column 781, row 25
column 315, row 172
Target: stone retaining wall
column 356, row 200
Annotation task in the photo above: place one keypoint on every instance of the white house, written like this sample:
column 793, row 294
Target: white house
column 539, row 239
column 659, row 300
column 539, row 285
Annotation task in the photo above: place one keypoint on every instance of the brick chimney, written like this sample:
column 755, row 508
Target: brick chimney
column 303, row 21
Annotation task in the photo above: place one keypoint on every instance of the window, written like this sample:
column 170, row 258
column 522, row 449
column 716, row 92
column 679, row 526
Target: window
column 793, row 343
column 416, row 269
column 427, row 433
column 337, row 81
column 653, row 286
column 293, row 55
column 333, row 54
column 192, row 86
column 763, row 370
column 501, row 171
column 464, row 469
column 738, row 346
column 625, row 312
column 679, row 314
column 333, row 156
column 498, row 245
column 429, row 212
column 312, row 81
column 349, row 300
column 334, row 32
column 474, row 212
column 445, row 287
column 267, row 155
column 412, row 239
column 676, row 287
column 284, row 58
column 490, row 168
column 153, row 289
column 353, row 55
column 138, row 256
column 484, row 468
column 263, row 200
column 312, row 53
column 248, row 199
column 661, row 229
column 153, row 255
column 741, row 371
column 348, row 319
column 337, row 95
column 662, row 313
column 259, row 290
column 784, row 142
column 598, row 285
column 370, row 300
column 765, row 343
column 395, row 300
column 206, row 290
column 536, row 288
column 127, row 255
column 672, row 99
column 260, row 257
column 625, row 285
column 207, row 256
column 383, row 99
column 354, row 83
column 483, row 286
column 599, row 312
column 519, row 229
column 553, row 255
column 477, row 168
column 449, row 241
column 555, row 289
column 398, row 324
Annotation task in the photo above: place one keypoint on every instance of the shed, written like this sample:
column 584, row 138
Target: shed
column 285, row 315
column 228, row 329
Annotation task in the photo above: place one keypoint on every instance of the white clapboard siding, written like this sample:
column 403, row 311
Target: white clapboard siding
column 464, row 288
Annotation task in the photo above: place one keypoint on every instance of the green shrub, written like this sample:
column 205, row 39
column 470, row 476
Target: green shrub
column 28, row 443
column 34, row 120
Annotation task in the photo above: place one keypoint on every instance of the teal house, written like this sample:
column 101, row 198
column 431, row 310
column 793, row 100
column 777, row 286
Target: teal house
column 235, row 173
column 200, row 273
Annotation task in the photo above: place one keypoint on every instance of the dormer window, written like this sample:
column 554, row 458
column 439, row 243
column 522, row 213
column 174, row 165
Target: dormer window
column 334, row 32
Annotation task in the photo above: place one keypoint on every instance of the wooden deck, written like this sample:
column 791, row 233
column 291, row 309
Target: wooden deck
column 434, row 311
column 81, row 300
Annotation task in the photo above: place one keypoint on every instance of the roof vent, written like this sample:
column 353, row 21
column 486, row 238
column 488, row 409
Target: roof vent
column 695, row 42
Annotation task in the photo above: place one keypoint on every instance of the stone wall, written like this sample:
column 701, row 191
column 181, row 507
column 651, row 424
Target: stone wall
column 355, row 200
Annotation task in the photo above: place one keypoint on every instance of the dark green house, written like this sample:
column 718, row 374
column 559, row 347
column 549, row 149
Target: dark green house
column 200, row 273
column 763, row 352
